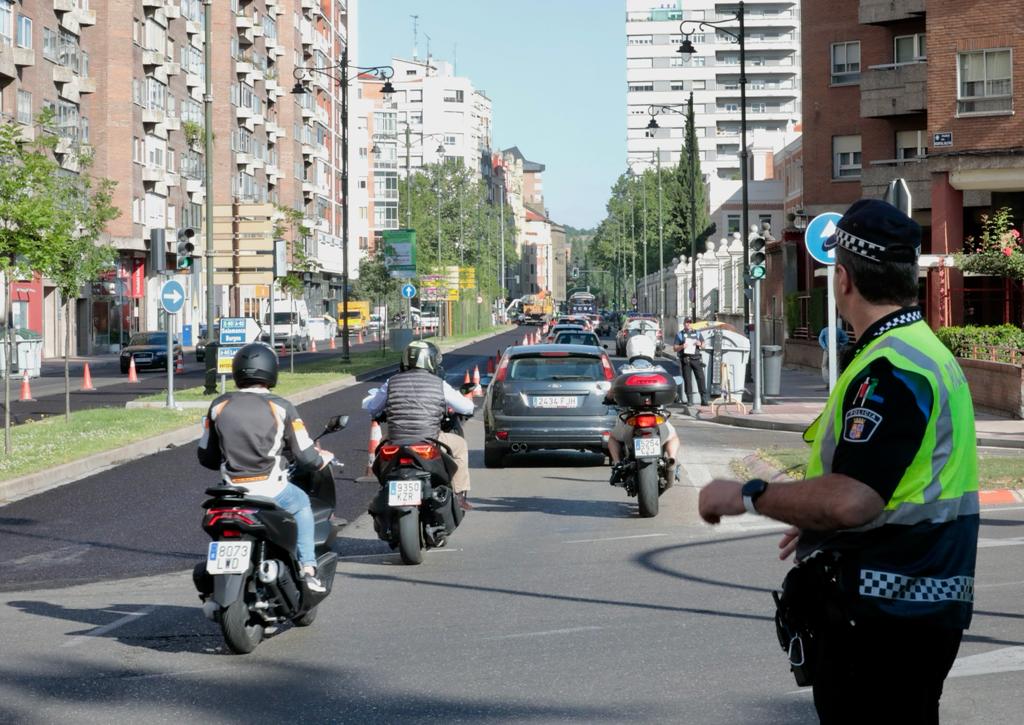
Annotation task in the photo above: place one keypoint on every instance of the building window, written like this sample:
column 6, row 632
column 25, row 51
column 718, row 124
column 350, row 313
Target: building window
column 84, row 125
column 911, row 144
column 640, row 40
column 846, row 157
column 6, row 22
column 985, row 82
column 763, row 219
column 25, row 107
column 909, row 48
column 845, row 63
column 453, row 96
column 732, row 223
column 50, row 44
column 24, row 35
column 640, row 87
column 415, row 96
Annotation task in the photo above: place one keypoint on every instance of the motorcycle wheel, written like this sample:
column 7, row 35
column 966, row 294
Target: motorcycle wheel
column 409, row 538
column 240, row 636
column 647, row 490
column 307, row 619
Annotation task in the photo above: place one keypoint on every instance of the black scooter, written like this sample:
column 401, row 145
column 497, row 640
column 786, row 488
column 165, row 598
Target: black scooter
column 251, row 581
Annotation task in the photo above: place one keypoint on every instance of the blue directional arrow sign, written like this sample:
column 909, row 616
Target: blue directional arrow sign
column 172, row 296
column 408, row 291
column 818, row 230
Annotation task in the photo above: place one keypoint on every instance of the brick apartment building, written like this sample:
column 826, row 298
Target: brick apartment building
column 925, row 90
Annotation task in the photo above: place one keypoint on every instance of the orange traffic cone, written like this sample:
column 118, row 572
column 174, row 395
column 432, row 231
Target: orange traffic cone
column 87, row 380
column 26, row 389
column 490, row 366
column 359, row 340
column 312, row 345
column 179, row 364
column 526, row 340
column 467, row 381
column 371, row 448
column 478, row 392
column 333, row 346
column 133, row 376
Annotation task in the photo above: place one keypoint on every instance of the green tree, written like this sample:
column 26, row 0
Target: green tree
column 292, row 228
column 690, row 198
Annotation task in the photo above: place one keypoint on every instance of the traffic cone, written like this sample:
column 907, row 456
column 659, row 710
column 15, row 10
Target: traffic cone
column 490, row 366
column 359, row 340
column 26, row 389
column 179, row 364
column 478, row 392
column 133, row 376
column 312, row 345
column 371, row 448
column 467, row 381
column 87, row 380
column 526, row 340
column 333, row 346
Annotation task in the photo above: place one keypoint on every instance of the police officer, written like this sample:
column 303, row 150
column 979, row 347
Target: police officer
column 889, row 507
column 688, row 344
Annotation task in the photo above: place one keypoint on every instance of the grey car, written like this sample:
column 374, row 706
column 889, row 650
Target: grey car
column 548, row 397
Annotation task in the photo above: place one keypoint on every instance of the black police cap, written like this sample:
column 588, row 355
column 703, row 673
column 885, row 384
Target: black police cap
column 876, row 230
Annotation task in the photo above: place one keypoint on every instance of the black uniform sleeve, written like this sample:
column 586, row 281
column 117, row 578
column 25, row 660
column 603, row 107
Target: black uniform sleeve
column 209, row 444
column 301, row 446
column 885, row 414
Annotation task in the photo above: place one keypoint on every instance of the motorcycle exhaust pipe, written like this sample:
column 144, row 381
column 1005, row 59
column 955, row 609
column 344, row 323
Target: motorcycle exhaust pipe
column 268, row 571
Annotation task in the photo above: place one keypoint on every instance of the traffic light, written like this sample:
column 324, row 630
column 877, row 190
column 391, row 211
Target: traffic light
column 756, row 242
column 575, row 272
column 157, row 250
column 185, row 248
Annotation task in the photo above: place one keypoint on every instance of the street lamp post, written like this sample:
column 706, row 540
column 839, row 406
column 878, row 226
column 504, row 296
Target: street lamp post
column 383, row 73
column 686, row 48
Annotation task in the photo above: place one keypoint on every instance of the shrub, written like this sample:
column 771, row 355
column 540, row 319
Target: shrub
column 1006, row 341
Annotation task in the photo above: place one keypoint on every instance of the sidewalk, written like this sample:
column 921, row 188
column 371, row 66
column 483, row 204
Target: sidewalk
column 803, row 396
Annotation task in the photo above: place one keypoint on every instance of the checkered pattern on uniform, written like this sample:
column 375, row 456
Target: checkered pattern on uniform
column 900, row 320
column 889, row 585
column 863, row 247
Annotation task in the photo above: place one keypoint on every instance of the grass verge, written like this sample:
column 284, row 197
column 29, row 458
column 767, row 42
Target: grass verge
column 993, row 471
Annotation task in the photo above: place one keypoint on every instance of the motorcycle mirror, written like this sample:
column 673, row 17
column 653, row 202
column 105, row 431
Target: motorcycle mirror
column 485, row 380
column 467, row 388
column 336, row 423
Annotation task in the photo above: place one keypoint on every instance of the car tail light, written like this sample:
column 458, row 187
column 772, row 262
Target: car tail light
column 637, row 380
column 388, row 452
column 502, row 370
column 645, row 420
column 609, row 371
column 425, row 451
column 231, row 514
column 605, row 435
column 501, row 435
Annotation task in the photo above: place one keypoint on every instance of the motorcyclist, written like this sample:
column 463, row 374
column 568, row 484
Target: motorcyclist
column 640, row 351
column 246, row 436
column 416, row 400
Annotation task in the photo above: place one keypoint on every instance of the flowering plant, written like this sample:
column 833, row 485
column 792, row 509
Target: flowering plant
column 997, row 251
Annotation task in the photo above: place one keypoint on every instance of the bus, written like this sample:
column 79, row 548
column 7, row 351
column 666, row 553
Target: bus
column 582, row 303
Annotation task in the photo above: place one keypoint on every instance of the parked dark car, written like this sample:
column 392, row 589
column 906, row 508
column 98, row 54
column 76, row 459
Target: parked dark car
column 548, row 397
column 203, row 341
column 149, row 350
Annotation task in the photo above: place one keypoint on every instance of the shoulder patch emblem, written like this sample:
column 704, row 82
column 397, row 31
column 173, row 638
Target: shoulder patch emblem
column 860, row 424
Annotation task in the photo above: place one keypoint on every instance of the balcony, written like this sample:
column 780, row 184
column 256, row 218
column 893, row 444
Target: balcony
column 173, row 68
column 309, row 4
column 274, row 130
column 193, row 80
column 193, row 186
column 172, row 11
column 244, row 159
column 193, row 28
column 154, row 175
column 86, row 85
column 308, row 150
column 62, row 74
column 243, row 112
column 153, row 116
column 243, row 21
column 308, row 112
column 308, row 188
column 243, row 67
column 151, row 57
column 173, row 179
column 882, row 12
column 306, row 33
column 894, row 90
column 246, row 36
column 173, row 124
column 875, row 178
column 272, row 87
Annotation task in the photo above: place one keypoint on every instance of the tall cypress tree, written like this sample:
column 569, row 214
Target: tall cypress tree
column 692, row 182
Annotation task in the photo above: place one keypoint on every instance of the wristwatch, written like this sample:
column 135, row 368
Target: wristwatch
column 752, row 490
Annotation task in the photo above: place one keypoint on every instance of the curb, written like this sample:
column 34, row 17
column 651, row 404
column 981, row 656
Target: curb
column 33, row 483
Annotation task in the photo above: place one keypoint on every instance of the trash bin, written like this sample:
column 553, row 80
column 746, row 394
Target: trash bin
column 771, row 369
column 735, row 352
column 28, row 353
column 186, row 335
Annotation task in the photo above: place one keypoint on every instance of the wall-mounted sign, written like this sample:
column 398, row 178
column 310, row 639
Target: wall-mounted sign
column 942, row 138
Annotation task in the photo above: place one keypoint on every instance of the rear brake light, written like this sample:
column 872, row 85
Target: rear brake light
column 502, row 370
column 501, row 435
column 609, row 371
column 645, row 420
column 425, row 451
column 232, row 514
column 230, row 533
column 636, row 380
column 388, row 452
column 405, row 461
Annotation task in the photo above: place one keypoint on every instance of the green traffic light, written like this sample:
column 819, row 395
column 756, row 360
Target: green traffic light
column 757, row 272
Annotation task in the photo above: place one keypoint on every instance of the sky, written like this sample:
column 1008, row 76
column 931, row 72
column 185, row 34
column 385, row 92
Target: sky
column 553, row 69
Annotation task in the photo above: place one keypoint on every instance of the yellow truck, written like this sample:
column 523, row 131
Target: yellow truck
column 537, row 307
column 358, row 315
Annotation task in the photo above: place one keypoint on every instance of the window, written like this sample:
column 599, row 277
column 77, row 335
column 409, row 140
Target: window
column 24, row 34
column 6, row 23
column 172, row 215
column 640, row 62
column 909, row 48
column 985, row 82
column 640, row 87
column 698, row 85
column 24, row 107
column 50, row 44
column 84, row 125
column 763, row 219
column 640, row 40
column 911, row 144
column 171, row 161
column 415, row 96
column 846, row 157
column 732, row 223
column 453, row 96
column 845, row 63
column 677, row 85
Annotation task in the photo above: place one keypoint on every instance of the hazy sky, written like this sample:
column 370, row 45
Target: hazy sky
column 553, row 69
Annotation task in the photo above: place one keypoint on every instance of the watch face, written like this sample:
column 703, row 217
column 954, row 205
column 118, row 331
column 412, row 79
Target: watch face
column 754, row 488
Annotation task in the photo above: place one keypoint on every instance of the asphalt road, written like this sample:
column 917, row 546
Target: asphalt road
column 553, row 602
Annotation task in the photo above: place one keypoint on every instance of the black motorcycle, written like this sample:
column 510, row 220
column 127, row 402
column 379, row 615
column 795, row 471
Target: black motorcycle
column 644, row 469
column 416, row 508
column 251, row 581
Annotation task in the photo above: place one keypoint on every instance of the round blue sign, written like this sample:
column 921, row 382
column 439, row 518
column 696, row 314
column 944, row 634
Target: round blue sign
column 818, row 231
column 172, row 296
column 408, row 291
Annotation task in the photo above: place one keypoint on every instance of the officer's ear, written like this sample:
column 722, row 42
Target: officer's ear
column 843, row 283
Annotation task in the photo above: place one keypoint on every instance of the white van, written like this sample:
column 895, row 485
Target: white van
column 291, row 324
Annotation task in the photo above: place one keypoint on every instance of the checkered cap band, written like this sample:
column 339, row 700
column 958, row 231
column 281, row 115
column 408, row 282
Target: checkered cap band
column 889, row 585
column 863, row 247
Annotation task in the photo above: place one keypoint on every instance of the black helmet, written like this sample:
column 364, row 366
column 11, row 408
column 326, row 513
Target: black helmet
column 423, row 355
column 254, row 364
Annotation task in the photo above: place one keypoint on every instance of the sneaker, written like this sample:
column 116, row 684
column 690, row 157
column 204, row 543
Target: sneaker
column 311, row 581
column 679, row 472
column 464, row 503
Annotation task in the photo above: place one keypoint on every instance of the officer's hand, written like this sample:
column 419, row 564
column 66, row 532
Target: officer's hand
column 326, row 456
column 720, row 498
column 787, row 544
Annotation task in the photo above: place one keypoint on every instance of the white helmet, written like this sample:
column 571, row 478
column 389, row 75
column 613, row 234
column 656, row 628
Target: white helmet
column 640, row 346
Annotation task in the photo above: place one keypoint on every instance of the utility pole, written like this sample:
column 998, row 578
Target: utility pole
column 661, row 245
column 345, row 357
column 408, row 177
column 208, row 152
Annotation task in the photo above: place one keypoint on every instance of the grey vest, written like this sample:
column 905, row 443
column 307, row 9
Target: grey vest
column 415, row 406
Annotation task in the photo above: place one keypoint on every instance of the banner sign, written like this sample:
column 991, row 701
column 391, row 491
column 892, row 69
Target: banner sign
column 400, row 252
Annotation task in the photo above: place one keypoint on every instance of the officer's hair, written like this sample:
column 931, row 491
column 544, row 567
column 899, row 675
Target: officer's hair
column 891, row 283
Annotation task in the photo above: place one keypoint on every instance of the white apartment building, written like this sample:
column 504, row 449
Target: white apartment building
column 439, row 108
column 658, row 74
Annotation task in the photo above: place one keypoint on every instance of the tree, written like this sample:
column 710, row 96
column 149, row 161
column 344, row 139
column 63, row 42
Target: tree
column 691, row 204
column 291, row 284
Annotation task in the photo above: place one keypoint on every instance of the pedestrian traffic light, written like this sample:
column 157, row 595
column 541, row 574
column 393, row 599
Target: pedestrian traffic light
column 575, row 272
column 756, row 242
column 185, row 248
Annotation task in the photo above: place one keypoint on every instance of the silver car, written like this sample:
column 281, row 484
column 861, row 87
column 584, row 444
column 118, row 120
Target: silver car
column 548, row 397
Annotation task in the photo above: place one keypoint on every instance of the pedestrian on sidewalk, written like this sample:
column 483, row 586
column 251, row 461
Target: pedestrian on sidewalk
column 885, row 525
column 688, row 344
column 842, row 340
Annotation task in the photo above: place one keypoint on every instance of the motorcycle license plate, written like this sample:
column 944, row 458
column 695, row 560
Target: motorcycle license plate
column 646, row 447
column 404, row 493
column 228, row 557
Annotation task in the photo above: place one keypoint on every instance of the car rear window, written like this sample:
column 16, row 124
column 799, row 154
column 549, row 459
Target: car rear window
column 575, row 338
column 570, row 367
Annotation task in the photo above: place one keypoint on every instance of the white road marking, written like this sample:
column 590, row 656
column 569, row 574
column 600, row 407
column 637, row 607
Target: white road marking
column 997, row 509
column 545, row 633
column 100, row 631
column 395, row 553
column 986, row 543
column 1000, row 584
column 179, row 673
column 613, row 538
column 1005, row 659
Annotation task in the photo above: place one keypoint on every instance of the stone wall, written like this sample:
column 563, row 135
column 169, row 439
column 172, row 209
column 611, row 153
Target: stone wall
column 803, row 354
column 999, row 387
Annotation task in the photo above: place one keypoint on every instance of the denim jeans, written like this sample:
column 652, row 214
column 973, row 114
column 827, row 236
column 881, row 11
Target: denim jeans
column 295, row 501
